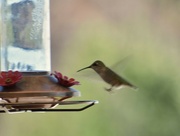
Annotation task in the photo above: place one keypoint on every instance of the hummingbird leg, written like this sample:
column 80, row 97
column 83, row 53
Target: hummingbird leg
column 114, row 88
column 109, row 89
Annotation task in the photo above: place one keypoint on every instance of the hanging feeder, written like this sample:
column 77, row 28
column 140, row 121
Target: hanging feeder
column 26, row 83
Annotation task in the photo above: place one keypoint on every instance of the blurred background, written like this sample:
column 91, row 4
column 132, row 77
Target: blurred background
column 83, row 31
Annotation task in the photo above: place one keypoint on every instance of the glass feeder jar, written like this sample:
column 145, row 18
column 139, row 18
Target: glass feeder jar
column 25, row 35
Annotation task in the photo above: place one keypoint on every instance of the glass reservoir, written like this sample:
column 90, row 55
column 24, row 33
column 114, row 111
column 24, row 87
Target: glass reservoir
column 25, row 35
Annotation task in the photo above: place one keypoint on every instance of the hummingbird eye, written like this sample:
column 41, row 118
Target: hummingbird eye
column 96, row 64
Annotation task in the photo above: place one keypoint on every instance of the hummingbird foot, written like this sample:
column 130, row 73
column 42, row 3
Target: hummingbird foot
column 114, row 88
column 108, row 89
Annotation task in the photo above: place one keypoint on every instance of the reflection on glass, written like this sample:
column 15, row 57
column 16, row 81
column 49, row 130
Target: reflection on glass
column 25, row 40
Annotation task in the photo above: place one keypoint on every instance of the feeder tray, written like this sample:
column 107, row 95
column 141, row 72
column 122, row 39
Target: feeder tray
column 38, row 92
column 4, row 106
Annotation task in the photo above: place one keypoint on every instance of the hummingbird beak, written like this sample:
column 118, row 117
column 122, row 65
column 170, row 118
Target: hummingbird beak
column 84, row 68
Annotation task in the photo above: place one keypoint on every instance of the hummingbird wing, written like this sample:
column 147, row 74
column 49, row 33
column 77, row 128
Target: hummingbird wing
column 121, row 64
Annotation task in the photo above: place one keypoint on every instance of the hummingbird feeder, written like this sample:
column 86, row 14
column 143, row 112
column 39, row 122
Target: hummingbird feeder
column 26, row 83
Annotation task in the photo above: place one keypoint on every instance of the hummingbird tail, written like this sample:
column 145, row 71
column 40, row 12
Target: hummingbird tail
column 134, row 87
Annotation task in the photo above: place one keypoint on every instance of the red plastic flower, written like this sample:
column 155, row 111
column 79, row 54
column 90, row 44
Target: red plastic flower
column 64, row 80
column 9, row 78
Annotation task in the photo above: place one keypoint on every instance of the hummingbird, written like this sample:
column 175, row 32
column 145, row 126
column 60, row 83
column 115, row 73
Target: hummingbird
column 109, row 76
